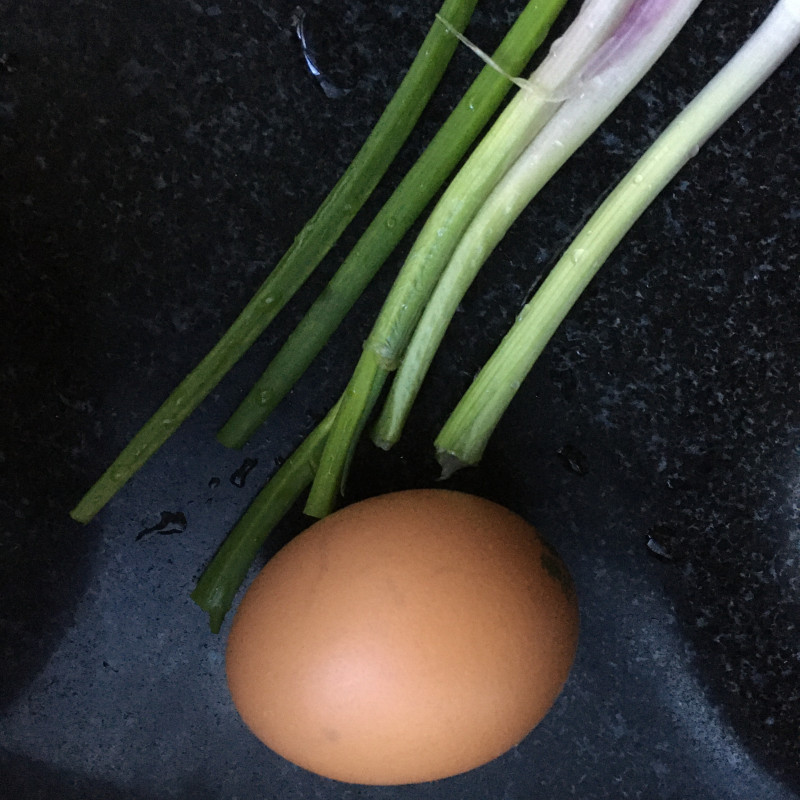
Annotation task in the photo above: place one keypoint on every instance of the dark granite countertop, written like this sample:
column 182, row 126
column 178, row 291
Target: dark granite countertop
column 155, row 161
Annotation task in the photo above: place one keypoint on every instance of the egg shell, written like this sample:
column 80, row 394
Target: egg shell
column 405, row 638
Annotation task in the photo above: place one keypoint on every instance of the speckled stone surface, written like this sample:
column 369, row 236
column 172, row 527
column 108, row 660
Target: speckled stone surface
column 155, row 161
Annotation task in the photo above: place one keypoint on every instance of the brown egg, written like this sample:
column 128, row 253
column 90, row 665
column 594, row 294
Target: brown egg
column 406, row 638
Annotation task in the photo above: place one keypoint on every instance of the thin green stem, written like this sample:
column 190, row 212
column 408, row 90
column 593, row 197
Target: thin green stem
column 307, row 250
column 392, row 222
column 464, row 436
column 358, row 399
column 223, row 576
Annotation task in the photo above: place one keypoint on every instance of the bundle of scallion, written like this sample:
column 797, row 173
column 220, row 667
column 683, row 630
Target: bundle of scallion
column 602, row 55
column 466, row 432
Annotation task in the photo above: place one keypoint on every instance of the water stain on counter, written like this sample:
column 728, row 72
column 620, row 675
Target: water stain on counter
column 171, row 522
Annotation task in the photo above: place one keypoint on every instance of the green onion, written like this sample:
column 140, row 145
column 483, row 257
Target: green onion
column 223, row 576
column 612, row 73
column 307, row 250
column 464, row 436
column 392, row 222
column 531, row 108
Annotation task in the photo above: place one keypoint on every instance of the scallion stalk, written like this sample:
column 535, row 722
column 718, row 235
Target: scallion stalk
column 531, row 108
column 225, row 573
column 305, row 253
column 615, row 69
column 464, row 436
column 391, row 223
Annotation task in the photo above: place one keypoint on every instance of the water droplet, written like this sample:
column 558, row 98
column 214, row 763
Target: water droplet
column 578, row 254
column 170, row 522
column 391, row 222
column 573, row 459
column 638, row 178
column 268, row 300
column 661, row 540
column 239, row 477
